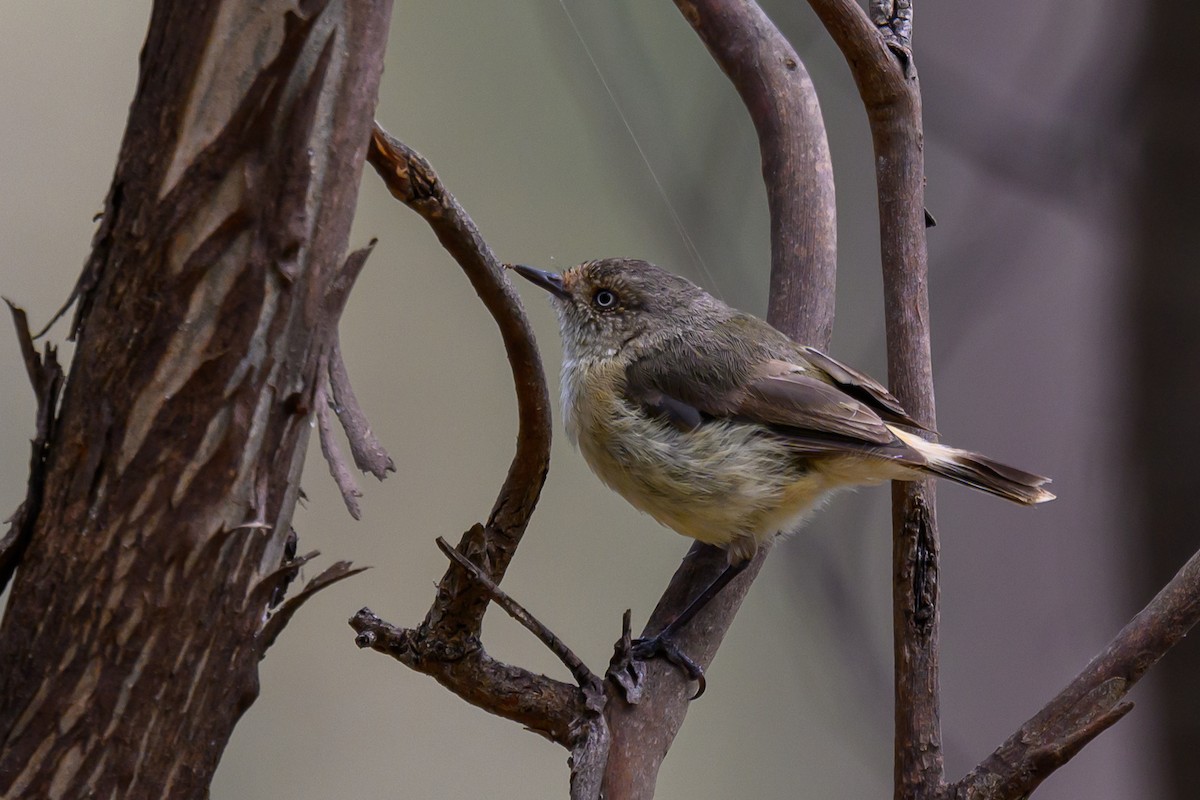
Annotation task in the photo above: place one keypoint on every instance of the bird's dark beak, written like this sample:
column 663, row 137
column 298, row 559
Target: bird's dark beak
column 547, row 280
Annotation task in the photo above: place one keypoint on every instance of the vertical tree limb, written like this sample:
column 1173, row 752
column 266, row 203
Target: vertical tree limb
column 878, row 50
column 139, row 613
column 781, row 100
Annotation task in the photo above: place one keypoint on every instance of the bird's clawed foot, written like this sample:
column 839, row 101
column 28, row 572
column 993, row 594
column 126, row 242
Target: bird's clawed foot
column 662, row 646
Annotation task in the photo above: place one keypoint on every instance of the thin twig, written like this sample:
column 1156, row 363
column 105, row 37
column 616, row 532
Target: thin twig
column 279, row 618
column 579, row 671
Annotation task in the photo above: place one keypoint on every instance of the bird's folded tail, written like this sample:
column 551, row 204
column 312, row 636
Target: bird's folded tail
column 978, row 472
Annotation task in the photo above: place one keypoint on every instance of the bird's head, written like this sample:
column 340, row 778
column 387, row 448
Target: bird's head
column 606, row 307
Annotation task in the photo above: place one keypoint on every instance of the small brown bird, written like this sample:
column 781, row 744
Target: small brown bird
column 721, row 427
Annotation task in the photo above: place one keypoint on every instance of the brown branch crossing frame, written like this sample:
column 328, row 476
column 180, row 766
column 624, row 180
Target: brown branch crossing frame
column 618, row 745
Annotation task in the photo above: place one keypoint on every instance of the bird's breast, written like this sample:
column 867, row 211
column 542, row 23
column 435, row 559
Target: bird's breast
column 718, row 483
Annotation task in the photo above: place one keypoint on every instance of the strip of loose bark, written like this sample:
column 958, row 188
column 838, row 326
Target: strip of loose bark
column 782, row 102
column 878, row 50
column 368, row 452
column 339, row 470
column 46, row 377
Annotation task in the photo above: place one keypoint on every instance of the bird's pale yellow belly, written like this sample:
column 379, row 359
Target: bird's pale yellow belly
column 725, row 483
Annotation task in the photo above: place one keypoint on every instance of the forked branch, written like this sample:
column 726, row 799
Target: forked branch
column 1092, row 702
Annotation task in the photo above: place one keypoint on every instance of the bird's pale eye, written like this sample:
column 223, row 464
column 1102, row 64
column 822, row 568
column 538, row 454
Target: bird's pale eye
column 604, row 299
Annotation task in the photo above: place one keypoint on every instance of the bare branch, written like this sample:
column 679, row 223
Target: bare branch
column 879, row 53
column 446, row 645
column 589, row 753
column 541, row 704
column 555, row 645
column 782, row 102
column 593, row 740
column 459, row 607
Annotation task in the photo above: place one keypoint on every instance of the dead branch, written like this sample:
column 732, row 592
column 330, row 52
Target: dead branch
column 46, row 377
column 338, row 571
column 542, row 705
column 579, row 671
column 411, row 180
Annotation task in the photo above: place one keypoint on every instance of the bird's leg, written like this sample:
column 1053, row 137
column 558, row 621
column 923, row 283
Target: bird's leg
column 662, row 644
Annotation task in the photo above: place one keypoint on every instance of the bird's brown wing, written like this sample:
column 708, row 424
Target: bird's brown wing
column 812, row 414
column 786, row 396
column 861, row 386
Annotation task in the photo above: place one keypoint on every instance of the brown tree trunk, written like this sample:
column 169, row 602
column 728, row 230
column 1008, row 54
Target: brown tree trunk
column 207, row 312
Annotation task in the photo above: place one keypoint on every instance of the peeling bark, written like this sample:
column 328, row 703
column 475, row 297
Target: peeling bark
column 141, row 606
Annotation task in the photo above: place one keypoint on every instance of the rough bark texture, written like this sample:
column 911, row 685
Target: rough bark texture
column 143, row 603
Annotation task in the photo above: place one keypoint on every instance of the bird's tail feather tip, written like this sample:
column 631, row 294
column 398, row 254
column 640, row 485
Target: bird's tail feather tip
column 980, row 472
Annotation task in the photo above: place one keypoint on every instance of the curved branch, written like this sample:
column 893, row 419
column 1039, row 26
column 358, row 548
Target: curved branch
column 781, row 100
column 879, row 53
column 409, row 177
column 446, row 644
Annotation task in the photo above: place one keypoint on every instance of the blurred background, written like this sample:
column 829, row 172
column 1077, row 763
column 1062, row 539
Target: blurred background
column 1060, row 145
